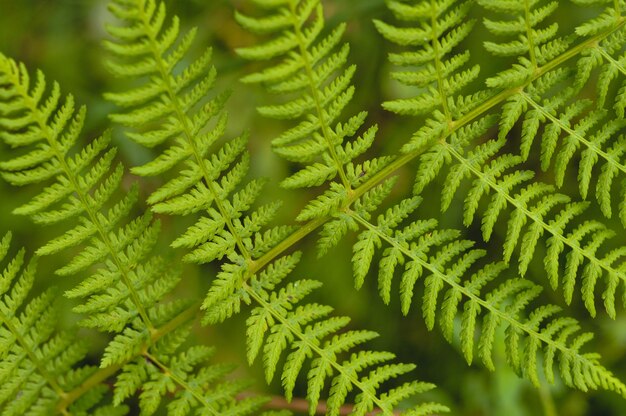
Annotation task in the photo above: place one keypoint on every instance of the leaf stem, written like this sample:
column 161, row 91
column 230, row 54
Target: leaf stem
column 530, row 35
column 316, row 348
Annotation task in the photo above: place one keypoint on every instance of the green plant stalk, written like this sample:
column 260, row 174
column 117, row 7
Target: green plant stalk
column 438, row 64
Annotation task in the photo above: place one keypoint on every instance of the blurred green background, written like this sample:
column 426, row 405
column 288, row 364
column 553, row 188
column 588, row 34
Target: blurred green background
column 62, row 38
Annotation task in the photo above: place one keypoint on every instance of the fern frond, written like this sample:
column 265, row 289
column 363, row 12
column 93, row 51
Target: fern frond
column 119, row 292
column 610, row 17
column 311, row 70
column 39, row 364
column 197, row 386
column 537, row 103
column 442, row 260
column 547, row 82
column 605, row 56
column 189, row 125
column 570, row 128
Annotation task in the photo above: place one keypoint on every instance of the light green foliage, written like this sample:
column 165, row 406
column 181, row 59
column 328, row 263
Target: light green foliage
column 197, row 386
column 442, row 261
column 501, row 149
column 440, row 76
column 537, row 210
column 39, row 363
column 436, row 29
column 529, row 38
column 177, row 115
column 570, row 125
column 279, row 324
column 78, row 184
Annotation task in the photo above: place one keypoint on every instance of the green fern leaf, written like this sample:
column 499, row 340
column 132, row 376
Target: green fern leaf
column 535, row 41
column 537, row 211
column 309, row 331
column 442, row 73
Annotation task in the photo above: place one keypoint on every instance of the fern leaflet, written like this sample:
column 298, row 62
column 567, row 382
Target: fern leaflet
column 538, row 210
column 311, row 70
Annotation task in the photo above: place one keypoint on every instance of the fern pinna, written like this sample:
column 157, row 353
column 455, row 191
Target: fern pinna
column 311, row 70
column 126, row 294
column 551, row 98
column 171, row 109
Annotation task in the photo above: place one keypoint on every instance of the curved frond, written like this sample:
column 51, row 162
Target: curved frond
column 196, row 385
column 178, row 116
column 79, row 186
column 282, row 329
column 529, row 36
column 433, row 63
column 572, row 129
